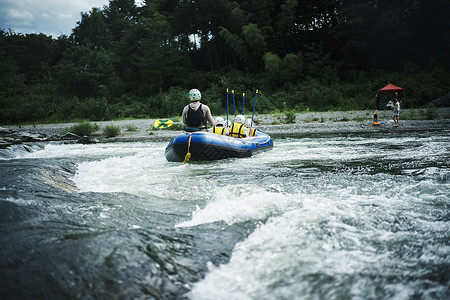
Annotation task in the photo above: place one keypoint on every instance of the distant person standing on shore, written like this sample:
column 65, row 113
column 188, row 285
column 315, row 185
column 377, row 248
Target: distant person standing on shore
column 375, row 115
column 395, row 117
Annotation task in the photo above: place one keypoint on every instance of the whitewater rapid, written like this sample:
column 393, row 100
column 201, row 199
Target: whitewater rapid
column 335, row 217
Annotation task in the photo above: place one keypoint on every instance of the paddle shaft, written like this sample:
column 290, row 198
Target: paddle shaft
column 227, row 107
column 234, row 103
column 243, row 101
column 254, row 106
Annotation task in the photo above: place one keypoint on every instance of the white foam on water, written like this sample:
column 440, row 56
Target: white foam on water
column 240, row 203
column 320, row 150
column 277, row 254
column 331, row 232
column 136, row 168
column 140, row 169
column 137, row 174
column 275, row 257
column 53, row 150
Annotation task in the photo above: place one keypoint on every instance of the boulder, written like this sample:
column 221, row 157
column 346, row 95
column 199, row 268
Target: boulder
column 70, row 136
column 87, row 140
column 28, row 137
column 54, row 137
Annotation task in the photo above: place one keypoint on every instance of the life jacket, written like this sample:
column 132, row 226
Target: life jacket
column 251, row 131
column 237, row 130
column 219, row 130
column 195, row 118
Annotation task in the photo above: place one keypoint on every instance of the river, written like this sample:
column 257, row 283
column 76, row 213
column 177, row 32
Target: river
column 361, row 216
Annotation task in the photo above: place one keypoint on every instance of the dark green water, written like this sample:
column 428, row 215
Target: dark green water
column 325, row 217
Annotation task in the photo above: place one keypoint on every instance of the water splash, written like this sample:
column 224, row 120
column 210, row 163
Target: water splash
column 240, row 203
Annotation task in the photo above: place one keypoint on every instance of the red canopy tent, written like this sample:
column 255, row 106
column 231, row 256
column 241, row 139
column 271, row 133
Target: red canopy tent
column 390, row 88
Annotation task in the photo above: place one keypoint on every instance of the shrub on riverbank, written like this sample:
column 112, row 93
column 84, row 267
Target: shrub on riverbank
column 111, row 131
column 431, row 112
column 83, row 128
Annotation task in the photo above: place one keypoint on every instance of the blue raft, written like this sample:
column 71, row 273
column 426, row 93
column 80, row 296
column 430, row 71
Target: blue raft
column 210, row 146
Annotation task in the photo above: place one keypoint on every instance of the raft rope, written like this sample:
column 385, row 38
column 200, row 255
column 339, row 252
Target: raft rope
column 188, row 154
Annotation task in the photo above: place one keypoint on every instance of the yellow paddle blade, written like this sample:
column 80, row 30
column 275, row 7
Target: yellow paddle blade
column 163, row 123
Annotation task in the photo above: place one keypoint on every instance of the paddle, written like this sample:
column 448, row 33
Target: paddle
column 234, row 103
column 163, row 123
column 243, row 100
column 254, row 106
column 227, row 106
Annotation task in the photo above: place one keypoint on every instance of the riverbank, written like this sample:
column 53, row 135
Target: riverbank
column 306, row 124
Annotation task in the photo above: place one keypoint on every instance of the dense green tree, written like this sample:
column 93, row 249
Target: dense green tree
column 249, row 45
column 34, row 54
column 124, row 60
column 119, row 17
column 92, row 30
column 272, row 64
column 153, row 60
column 85, row 72
column 12, row 81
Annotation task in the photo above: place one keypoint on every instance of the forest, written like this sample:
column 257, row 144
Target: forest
column 129, row 61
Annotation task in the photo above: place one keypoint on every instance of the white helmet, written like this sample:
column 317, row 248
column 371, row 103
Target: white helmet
column 220, row 121
column 248, row 122
column 229, row 123
column 195, row 95
column 239, row 119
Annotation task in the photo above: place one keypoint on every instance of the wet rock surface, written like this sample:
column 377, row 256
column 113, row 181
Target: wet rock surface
column 13, row 142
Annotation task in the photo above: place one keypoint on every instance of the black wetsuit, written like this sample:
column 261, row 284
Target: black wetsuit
column 196, row 118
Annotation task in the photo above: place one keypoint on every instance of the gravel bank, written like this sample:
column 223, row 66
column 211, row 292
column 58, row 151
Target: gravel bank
column 306, row 124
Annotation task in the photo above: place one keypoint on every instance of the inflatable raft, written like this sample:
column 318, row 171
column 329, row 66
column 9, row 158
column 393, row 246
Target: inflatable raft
column 210, row 146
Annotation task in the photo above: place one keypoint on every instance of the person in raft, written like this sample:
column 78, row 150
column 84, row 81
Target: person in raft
column 220, row 127
column 238, row 128
column 396, row 112
column 196, row 114
column 249, row 125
